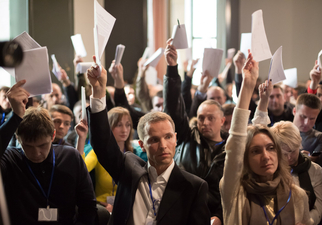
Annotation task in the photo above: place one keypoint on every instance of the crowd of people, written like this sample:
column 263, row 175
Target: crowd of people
column 173, row 155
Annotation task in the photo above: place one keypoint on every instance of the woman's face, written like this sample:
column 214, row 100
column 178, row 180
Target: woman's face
column 290, row 155
column 122, row 129
column 262, row 157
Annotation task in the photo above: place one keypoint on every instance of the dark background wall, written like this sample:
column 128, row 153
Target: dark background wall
column 130, row 29
column 51, row 23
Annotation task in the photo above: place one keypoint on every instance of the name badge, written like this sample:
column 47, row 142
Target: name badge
column 110, row 200
column 150, row 221
column 47, row 214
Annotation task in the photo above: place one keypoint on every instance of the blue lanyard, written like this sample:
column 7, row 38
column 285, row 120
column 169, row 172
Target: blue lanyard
column 113, row 182
column 2, row 119
column 153, row 200
column 279, row 211
column 60, row 141
column 51, row 178
column 220, row 143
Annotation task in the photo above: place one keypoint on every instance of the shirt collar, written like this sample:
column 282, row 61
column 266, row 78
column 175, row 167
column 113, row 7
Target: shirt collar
column 163, row 176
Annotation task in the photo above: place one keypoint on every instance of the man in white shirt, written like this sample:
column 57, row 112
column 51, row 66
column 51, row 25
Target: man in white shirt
column 157, row 192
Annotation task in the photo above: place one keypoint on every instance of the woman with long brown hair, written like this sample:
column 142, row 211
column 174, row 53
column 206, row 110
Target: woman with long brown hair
column 257, row 187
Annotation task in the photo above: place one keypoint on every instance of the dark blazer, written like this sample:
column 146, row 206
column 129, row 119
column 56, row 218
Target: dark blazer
column 184, row 200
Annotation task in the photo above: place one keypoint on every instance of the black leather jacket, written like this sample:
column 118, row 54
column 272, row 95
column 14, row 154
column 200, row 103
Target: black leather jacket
column 192, row 152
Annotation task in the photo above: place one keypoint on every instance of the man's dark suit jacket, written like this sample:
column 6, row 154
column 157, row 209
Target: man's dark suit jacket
column 184, row 200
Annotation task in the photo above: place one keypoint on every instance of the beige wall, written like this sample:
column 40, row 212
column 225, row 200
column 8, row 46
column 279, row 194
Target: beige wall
column 294, row 24
column 84, row 24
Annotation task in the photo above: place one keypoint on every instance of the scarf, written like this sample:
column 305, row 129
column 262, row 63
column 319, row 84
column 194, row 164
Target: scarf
column 304, row 164
column 253, row 212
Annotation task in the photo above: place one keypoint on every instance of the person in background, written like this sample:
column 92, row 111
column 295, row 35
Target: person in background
column 5, row 107
column 62, row 117
column 228, row 113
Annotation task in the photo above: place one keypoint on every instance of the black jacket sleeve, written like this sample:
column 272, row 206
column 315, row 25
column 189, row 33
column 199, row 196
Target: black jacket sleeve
column 185, row 91
column 173, row 103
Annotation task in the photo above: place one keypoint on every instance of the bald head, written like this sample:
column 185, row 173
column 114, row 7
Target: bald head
column 216, row 93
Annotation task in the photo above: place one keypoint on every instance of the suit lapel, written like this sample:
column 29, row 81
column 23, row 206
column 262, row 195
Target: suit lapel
column 174, row 189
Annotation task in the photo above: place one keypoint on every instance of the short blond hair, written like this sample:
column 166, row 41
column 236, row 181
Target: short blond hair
column 287, row 134
column 152, row 117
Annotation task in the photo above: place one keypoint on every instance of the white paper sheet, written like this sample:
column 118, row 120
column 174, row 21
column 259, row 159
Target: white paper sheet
column 35, row 70
column 11, row 71
column 55, row 70
column 276, row 70
column 212, row 61
column 291, row 77
column 103, row 25
column 155, row 58
column 79, row 45
column 84, row 116
column 146, row 53
column 179, row 36
column 260, row 46
column 231, row 53
column 245, row 43
column 320, row 60
column 26, row 41
column 83, row 66
column 119, row 53
column 188, row 53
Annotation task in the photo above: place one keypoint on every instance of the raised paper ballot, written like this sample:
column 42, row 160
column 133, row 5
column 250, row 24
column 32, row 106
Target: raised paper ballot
column 320, row 60
column 179, row 36
column 276, row 70
column 212, row 61
column 245, row 43
column 56, row 69
column 260, row 47
column 155, row 58
column 103, row 25
column 119, row 53
column 83, row 66
column 291, row 77
column 35, row 70
column 79, row 45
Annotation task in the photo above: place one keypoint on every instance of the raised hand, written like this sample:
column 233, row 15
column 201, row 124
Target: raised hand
column 18, row 98
column 142, row 69
column 64, row 78
column 250, row 72
column 170, row 54
column 82, row 130
column 315, row 75
column 97, row 77
column 239, row 61
column 204, row 82
column 77, row 59
column 265, row 90
column 192, row 68
column 116, row 72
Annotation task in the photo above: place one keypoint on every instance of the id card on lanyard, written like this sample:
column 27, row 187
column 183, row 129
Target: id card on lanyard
column 45, row 214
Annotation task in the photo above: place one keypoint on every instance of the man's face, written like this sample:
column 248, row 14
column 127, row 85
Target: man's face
column 160, row 143
column 55, row 96
column 210, row 119
column 319, row 94
column 157, row 104
column 62, row 123
column 37, row 151
column 4, row 102
column 276, row 101
column 287, row 93
column 216, row 95
column 130, row 95
column 305, row 117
